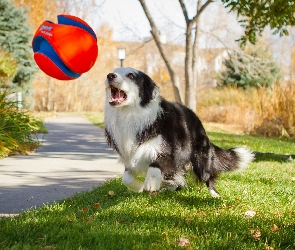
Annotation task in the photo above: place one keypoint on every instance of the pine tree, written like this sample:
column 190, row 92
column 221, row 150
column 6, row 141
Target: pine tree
column 8, row 68
column 256, row 68
column 15, row 38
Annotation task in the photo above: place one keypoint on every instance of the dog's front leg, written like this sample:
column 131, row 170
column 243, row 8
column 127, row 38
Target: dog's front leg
column 130, row 181
column 153, row 179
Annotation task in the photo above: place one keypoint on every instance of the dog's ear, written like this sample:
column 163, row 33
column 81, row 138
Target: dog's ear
column 148, row 89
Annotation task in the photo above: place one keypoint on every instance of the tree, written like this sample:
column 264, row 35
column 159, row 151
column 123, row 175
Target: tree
column 15, row 38
column 8, row 68
column 256, row 16
column 253, row 69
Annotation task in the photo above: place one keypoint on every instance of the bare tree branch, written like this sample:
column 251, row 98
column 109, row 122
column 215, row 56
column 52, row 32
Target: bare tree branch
column 156, row 35
column 201, row 10
column 184, row 11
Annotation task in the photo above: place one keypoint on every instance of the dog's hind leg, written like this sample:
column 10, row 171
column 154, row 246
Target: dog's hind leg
column 130, row 181
column 211, row 187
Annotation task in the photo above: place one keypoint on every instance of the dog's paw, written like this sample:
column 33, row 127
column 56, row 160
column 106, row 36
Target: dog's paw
column 214, row 194
column 153, row 180
column 132, row 183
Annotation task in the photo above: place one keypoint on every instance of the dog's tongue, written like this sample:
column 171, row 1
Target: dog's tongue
column 118, row 97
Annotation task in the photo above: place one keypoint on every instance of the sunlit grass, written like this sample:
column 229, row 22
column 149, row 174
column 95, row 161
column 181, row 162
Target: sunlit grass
column 124, row 220
column 97, row 118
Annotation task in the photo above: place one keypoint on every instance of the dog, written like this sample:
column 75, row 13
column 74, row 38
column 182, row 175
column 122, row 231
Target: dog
column 161, row 140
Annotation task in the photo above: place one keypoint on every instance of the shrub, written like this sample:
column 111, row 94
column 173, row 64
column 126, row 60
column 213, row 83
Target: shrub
column 8, row 67
column 17, row 128
column 254, row 68
column 266, row 111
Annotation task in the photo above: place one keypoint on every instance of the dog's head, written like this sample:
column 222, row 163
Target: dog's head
column 128, row 86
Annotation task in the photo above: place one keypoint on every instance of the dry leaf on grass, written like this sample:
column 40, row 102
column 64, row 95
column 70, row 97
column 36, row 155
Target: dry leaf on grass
column 275, row 228
column 183, row 242
column 96, row 205
column 85, row 210
column 68, row 218
column 111, row 193
column 250, row 214
column 269, row 248
column 256, row 234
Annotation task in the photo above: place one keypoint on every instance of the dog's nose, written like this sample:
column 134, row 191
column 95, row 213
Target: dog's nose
column 111, row 76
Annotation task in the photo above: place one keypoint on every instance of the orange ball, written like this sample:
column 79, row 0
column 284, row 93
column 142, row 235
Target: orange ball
column 65, row 50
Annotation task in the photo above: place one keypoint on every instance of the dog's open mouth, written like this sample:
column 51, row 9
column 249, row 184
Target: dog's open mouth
column 117, row 96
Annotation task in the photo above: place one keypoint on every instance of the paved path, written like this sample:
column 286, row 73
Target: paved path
column 73, row 157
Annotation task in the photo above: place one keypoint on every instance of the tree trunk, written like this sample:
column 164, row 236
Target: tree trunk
column 190, row 51
column 196, row 53
column 156, row 35
column 190, row 90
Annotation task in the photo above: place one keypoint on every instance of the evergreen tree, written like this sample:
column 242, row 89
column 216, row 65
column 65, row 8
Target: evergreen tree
column 253, row 69
column 15, row 38
column 8, row 68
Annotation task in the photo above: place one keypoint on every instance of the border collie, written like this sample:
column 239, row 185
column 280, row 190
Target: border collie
column 161, row 140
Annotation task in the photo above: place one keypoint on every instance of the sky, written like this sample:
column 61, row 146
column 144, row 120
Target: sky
column 129, row 23
column 219, row 28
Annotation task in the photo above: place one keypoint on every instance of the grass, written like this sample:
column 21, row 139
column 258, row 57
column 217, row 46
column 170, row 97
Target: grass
column 96, row 118
column 111, row 217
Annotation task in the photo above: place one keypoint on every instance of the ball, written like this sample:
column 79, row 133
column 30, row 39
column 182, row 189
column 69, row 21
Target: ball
column 65, row 50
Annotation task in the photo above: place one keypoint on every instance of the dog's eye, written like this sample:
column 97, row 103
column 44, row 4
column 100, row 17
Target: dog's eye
column 130, row 75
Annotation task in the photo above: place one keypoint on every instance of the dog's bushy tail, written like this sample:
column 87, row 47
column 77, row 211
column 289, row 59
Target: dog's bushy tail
column 236, row 158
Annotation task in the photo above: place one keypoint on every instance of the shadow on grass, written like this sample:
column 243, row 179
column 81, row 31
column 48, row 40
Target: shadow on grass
column 259, row 156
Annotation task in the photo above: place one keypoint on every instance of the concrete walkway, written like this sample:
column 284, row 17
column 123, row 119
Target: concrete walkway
column 73, row 157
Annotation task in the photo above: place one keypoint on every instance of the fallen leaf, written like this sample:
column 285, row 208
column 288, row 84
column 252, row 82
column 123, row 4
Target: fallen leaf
column 275, row 228
column 183, row 242
column 111, row 193
column 250, row 214
column 68, row 218
column 96, row 205
column 256, row 234
column 85, row 210
column 269, row 248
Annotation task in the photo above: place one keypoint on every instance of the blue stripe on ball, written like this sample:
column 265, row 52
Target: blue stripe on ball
column 67, row 21
column 41, row 45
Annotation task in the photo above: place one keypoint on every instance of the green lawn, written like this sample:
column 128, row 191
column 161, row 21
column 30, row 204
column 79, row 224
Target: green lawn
column 100, row 219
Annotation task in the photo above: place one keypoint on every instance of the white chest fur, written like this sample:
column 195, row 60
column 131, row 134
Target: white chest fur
column 124, row 124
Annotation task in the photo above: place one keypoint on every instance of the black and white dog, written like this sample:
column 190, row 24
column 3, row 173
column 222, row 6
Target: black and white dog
column 161, row 140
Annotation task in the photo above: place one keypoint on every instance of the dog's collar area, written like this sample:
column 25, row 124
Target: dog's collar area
column 118, row 96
